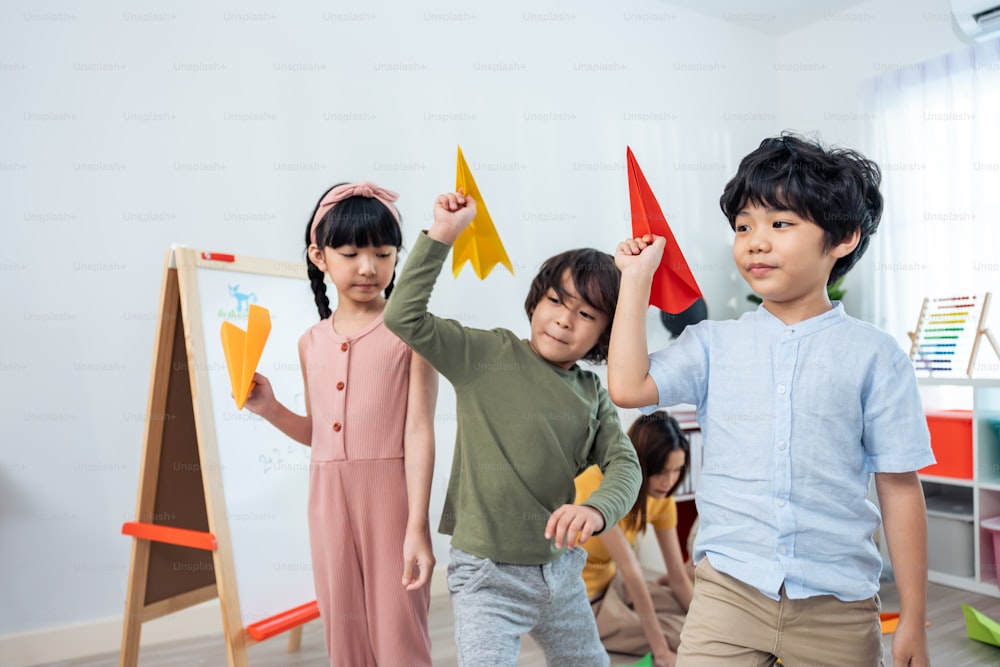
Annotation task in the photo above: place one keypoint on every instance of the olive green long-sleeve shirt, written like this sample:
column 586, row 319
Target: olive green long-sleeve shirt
column 526, row 428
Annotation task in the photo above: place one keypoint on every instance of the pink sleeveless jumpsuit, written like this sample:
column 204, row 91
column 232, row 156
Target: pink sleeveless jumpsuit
column 357, row 390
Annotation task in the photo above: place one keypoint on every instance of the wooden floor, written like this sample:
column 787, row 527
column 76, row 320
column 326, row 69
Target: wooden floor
column 950, row 647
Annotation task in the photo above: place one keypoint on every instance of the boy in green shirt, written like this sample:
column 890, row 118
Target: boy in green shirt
column 529, row 421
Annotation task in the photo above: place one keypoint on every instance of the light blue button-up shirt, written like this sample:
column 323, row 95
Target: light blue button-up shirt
column 795, row 419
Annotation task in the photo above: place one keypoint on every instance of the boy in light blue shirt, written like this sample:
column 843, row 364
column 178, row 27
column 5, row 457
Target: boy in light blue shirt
column 800, row 405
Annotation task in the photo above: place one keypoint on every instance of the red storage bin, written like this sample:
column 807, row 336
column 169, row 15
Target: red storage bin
column 951, row 441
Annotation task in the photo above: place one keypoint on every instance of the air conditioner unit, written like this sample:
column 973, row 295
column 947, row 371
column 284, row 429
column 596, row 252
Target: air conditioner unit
column 978, row 19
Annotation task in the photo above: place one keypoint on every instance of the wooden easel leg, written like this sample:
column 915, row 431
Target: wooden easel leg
column 236, row 651
column 132, row 626
column 295, row 639
column 135, row 599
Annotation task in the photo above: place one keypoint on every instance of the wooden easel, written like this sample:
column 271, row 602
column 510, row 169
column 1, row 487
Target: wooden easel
column 968, row 318
column 181, row 548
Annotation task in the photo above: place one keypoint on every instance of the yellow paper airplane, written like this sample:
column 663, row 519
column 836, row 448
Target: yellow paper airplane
column 479, row 244
column 243, row 350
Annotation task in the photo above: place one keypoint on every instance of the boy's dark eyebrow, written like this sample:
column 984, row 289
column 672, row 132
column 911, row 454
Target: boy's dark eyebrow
column 770, row 209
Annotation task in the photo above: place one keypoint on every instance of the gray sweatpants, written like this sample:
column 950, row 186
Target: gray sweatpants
column 495, row 603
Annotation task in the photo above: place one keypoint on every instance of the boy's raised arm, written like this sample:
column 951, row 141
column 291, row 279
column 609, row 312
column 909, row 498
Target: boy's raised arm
column 438, row 341
column 629, row 382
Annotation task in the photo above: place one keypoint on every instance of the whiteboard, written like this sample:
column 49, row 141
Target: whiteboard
column 265, row 474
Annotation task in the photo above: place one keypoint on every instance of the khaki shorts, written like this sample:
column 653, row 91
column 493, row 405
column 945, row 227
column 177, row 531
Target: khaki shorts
column 732, row 623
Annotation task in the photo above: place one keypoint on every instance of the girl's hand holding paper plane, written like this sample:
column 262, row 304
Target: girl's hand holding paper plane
column 261, row 396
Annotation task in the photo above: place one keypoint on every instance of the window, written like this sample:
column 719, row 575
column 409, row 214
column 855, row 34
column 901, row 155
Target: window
column 934, row 129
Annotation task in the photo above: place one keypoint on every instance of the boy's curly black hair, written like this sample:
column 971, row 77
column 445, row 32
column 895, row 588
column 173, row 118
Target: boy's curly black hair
column 836, row 188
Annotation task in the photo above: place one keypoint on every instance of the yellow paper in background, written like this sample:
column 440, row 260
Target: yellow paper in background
column 243, row 350
column 479, row 244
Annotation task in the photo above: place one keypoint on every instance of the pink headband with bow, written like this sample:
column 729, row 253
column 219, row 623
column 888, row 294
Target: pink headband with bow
column 342, row 192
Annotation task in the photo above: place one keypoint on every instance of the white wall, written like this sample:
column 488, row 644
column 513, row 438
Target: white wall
column 126, row 129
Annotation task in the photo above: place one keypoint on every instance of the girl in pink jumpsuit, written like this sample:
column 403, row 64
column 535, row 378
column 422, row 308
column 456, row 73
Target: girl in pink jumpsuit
column 370, row 403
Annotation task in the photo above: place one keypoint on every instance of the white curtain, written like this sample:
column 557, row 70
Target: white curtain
column 934, row 129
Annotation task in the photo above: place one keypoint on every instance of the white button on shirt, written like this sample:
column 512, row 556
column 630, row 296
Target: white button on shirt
column 794, row 422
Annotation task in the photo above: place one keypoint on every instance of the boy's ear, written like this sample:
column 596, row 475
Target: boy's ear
column 847, row 246
column 315, row 255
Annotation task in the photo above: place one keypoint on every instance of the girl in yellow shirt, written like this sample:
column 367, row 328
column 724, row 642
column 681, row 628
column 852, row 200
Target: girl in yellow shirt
column 634, row 614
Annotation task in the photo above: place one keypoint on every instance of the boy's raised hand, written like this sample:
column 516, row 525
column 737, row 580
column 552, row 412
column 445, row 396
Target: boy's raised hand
column 569, row 521
column 640, row 254
column 453, row 212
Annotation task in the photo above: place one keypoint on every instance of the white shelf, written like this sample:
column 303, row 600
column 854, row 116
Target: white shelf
column 982, row 397
column 965, row 583
column 950, row 481
column 957, row 381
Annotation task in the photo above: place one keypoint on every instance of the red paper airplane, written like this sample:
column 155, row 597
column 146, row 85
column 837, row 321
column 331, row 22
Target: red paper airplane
column 674, row 288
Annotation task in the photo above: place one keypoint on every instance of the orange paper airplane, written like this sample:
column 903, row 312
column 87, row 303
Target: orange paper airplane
column 674, row 288
column 479, row 244
column 243, row 350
